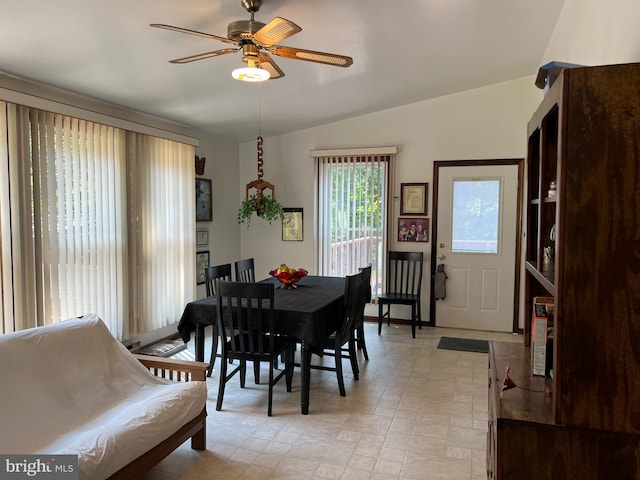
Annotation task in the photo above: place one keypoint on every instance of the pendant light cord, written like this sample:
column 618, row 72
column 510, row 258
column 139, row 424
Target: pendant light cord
column 259, row 109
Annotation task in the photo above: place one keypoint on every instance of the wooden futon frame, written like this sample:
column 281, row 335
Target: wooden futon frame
column 179, row 371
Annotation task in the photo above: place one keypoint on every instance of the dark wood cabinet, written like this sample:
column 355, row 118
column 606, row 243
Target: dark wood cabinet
column 585, row 137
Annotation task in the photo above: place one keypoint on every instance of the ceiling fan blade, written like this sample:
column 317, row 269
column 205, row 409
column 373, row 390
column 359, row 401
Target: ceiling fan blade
column 275, row 31
column 202, row 56
column 192, row 32
column 311, row 56
column 269, row 65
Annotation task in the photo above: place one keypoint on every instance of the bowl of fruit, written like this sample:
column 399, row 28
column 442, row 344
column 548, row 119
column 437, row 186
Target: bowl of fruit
column 288, row 276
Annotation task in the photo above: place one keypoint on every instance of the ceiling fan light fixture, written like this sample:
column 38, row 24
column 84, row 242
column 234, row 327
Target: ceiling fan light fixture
column 251, row 74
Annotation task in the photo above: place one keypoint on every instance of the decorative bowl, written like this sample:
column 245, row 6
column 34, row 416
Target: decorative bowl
column 288, row 277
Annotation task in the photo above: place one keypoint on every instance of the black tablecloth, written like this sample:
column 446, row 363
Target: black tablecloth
column 311, row 312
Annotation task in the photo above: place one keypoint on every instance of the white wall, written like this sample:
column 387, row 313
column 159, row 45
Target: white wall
column 484, row 123
column 222, row 168
column 596, row 32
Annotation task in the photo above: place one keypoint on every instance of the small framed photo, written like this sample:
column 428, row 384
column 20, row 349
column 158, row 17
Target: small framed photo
column 203, row 200
column 202, row 237
column 292, row 225
column 415, row 229
column 202, row 263
column 413, row 198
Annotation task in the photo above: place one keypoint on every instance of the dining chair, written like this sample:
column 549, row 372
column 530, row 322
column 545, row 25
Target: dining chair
column 358, row 324
column 222, row 272
column 359, row 327
column 404, row 281
column 245, row 271
column 343, row 340
column 246, row 329
column 211, row 274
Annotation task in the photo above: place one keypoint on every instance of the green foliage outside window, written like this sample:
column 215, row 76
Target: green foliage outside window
column 357, row 203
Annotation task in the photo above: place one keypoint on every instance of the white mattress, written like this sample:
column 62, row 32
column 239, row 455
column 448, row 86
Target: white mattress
column 73, row 388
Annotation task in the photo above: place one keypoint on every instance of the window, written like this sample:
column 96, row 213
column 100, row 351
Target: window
column 352, row 215
column 71, row 242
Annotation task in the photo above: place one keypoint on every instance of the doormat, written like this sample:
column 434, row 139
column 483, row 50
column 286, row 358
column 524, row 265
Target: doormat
column 166, row 348
column 464, row 344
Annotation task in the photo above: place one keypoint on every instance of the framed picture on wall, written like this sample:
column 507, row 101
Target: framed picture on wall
column 203, row 200
column 413, row 198
column 414, row 229
column 292, row 224
column 202, row 237
column 202, row 263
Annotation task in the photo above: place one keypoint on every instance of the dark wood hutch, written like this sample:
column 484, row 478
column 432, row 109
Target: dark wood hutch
column 585, row 423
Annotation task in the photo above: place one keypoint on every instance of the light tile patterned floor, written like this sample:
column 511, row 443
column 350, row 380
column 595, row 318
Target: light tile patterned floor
column 417, row 412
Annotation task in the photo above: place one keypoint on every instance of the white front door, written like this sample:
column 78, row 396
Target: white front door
column 476, row 242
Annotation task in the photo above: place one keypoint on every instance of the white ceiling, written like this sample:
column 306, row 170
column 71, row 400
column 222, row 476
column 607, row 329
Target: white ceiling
column 403, row 51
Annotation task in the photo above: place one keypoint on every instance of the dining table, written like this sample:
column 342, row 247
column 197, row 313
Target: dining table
column 310, row 313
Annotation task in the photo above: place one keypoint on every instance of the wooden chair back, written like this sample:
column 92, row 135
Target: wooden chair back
column 404, row 273
column 222, row 272
column 245, row 318
column 245, row 271
column 366, row 294
column 354, row 296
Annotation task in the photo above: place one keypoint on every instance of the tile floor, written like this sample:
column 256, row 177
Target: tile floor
column 416, row 413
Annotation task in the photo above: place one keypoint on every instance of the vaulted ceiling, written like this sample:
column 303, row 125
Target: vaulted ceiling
column 403, row 52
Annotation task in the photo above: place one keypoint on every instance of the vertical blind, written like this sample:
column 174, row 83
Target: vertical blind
column 161, row 230
column 70, row 226
column 352, row 214
column 72, row 219
column 8, row 320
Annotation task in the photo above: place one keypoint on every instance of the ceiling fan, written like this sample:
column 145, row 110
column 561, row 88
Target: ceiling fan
column 257, row 41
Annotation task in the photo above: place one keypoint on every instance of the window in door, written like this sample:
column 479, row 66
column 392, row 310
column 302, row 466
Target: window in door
column 476, row 216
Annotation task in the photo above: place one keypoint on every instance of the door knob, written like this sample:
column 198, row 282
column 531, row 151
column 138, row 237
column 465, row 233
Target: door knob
column 441, row 257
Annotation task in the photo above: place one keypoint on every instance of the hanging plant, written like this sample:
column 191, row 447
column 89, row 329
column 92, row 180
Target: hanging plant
column 270, row 210
column 265, row 206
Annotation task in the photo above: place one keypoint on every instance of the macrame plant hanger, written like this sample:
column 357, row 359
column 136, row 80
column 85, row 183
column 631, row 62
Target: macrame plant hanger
column 259, row 185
